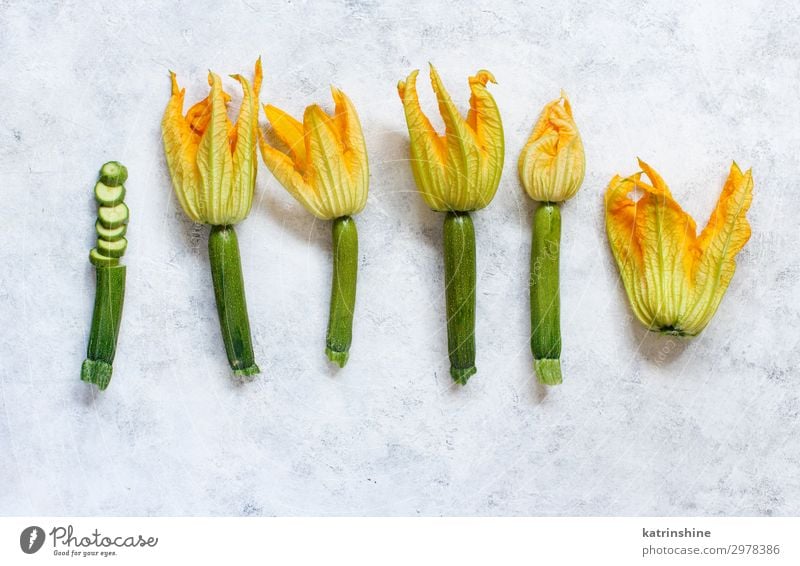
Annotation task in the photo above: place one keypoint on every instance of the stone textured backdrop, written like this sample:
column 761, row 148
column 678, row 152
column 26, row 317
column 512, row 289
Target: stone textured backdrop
column 643, row 425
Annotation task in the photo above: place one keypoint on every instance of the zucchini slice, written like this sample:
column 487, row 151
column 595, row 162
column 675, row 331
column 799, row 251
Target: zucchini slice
column 114, row 248
column 113, row 173
column 108, row 196
column 99, row 260
column 110, row 234
column 113, row 216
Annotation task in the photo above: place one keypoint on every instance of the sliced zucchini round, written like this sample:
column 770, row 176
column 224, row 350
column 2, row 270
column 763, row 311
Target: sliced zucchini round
column 113, row 173
column 108, row 196
column 112, row 249
column 109, row 234
column 113, row 216
column 99, row 260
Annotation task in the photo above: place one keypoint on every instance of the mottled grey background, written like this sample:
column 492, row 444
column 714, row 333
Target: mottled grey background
column 643, row 425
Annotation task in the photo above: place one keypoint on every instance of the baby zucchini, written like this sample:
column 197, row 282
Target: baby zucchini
column 343, row 290
column 459, row 269
column 111, row 226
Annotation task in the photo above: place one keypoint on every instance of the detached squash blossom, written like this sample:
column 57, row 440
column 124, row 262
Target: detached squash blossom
column 457, row 173
column 551, row 168
column 213, row 167
column 327, row 172
column 674, row 279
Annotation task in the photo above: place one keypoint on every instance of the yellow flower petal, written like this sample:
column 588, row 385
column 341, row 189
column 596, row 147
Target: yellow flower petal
column 211, row 161
column 354, row 147
column 289, row 131
column 552, row 164
column 329, row 173
column 668, row 239
column 460, row 170
column 484, row 119
column 723, row 237
column 243, row 141
column 620, row 226
column 674, row 280
column 180, row 149
column 428, row 149
column 214, row 158
column 463, row 153
column 199, row 115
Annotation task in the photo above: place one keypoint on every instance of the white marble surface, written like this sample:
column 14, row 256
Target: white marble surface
column 642, row 425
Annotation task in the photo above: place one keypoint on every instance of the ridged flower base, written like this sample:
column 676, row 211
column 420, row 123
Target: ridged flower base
column 97, row 372
column 548, row 371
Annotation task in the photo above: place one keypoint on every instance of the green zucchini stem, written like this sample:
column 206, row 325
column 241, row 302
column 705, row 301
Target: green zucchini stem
column 459, row 270
column 545, row 302
column 343, row 290
column 226, row 274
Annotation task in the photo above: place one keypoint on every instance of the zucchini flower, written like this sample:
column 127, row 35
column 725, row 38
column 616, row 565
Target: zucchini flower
column 674, row 279
column 213, row 163
column 552, row 164
column 551, row 169
column 327, row 172
column 456, row 173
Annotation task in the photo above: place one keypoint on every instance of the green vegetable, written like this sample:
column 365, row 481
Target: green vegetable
column 113, row 174
column 105, row 326
column 226, row 274
column 459, row 269
column 110, row 276
column 113, row 216
column 110, row 234
column 545, row 307
column 112, row 248
column 109, row 196
column 99, row 260
column 343, row 290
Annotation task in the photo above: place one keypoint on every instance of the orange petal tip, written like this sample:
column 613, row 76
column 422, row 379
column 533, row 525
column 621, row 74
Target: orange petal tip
column 336, row 92
column 401, row 85
column 483, row 76
column 174, row 80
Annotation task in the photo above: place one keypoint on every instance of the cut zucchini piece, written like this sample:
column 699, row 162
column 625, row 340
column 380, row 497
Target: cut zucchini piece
column 108, row 196
column 110, row 234
column 113, row 173
column 99, row 260
column 115, row 248
column 113, row 216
